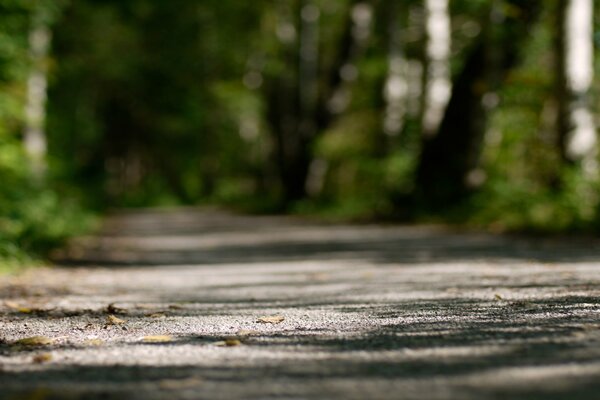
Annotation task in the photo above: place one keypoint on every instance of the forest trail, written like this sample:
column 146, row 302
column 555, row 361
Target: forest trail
column 200, row 304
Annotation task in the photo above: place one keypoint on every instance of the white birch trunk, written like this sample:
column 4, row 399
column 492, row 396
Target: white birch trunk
column 35, row 112
column 437, row 80
column 581, row 140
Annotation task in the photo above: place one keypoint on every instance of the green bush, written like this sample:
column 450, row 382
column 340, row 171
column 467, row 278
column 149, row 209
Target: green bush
column 33, row 219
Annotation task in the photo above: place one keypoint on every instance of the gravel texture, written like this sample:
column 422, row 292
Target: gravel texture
column 200, row 304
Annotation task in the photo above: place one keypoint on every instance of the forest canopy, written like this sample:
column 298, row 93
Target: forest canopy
column 481, row 112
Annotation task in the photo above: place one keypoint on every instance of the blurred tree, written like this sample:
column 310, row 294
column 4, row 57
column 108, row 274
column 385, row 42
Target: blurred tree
column 303, row 96
column 574, row 49
column 396, row 84
column 447, row 168
column 347, row 105
column 33, row 216
column 437, row 85
column 34, row 136
column 142, row 98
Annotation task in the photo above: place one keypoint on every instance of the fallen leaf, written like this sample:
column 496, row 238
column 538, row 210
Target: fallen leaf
column 176, row 307
column 157, row 339
column 275, row 319
column 94, row 342
column 35, row 341
column 245, row 332
column 521, row 304
column 112, row 320
column 228, row 343
column 12, row 305
column 498, row 297
column 42, row 358
column 112, row 309
column 17, row 307
column 156, row 315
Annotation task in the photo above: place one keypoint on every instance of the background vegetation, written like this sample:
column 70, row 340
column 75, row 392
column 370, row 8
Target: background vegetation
column 310, row 106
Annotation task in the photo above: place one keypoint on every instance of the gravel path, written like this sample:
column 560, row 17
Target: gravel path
column 197, row 304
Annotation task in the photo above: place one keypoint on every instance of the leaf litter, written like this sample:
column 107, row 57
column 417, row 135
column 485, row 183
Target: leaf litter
column 274, row 319
column 157, row 339
column 231, row 342
column 112, row 320
column 247, row 332
column 35, row 341
column 12, row 305
column 42, row 358
column 94, row 342
column 113, row 309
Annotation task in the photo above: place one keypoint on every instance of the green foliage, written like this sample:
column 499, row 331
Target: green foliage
column 33, row 217
column 528, row 186
column 506, row 206
column 33, row 220
column 142, row 98
column 162, row 103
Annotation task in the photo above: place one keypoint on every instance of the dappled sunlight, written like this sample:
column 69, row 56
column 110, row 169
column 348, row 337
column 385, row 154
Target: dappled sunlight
column 299, row 199
column 351, row 309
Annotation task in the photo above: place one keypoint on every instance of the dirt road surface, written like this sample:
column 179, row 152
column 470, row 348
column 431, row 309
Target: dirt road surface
column 199, row 304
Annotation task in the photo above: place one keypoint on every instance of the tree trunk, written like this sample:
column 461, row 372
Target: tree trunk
column 437, row 65
column 283, row 109
column 447, row 172
column 297, row 109
column 577, row 139
column 34, row 136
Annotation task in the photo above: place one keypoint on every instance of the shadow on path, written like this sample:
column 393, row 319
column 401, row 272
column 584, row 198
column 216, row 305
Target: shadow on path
column 369, row 312
column 203, row 237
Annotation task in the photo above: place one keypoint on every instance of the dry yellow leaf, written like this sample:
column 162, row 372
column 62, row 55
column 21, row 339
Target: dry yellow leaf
column 245, row 332
column 157, row 339
column 17, row 307
column 35, row 341
column 275, row 319
column 12, row 304
column 42, row 358
column 93, row 342
column 498, row 297
column 112, row 320
column 232, row 342
column 228, row 343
